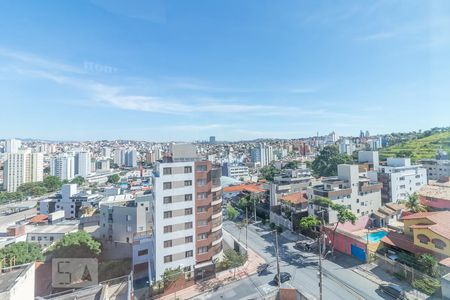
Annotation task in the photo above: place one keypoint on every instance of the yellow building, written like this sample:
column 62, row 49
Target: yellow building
column 429, row 230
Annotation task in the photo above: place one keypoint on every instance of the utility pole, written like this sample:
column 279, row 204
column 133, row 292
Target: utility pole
column 320, row 257
column 246, row 227
column 254, row 209
column 278, row 261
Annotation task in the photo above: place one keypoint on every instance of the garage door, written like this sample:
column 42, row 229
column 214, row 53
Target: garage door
column 359, row 253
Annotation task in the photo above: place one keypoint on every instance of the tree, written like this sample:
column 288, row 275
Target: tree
column 113, row 179
column 414, row 205
column 171, row 275
column 327, row 161
column 233, row 259
column 77, row 244
column 79, row 180
column 429, row 265
column 35, row 189
column 269, row 172
column 23, row 252
column 52, row 183
column 309, row 223
column 291, row 165
column 343, row 215
column 232, row 212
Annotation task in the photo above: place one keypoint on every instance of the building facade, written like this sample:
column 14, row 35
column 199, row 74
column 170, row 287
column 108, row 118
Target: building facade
column 187, row 214
column 436, row 168
column 400, row 179
column 22, row 167
column 63, row 166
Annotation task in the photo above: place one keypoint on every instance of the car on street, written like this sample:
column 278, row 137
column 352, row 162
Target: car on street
column 393, row 290
column 284, row 276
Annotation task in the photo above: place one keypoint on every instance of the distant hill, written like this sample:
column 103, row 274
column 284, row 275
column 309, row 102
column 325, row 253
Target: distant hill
column 419, row 148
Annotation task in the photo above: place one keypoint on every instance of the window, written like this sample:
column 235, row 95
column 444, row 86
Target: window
column 188, row 225
column 202, row 236
column 142, row 252
column 188, row 197
column 201, row 182
column 202, row 209
column 167, row 171
column 189, row 253
column 167, row 228
column 202, row 195
column 39, row 238
column 167, row 214
column 202, row 250
column 33, row 238
column 202, row 223
column 202, row 168
column 128, row 218
column 187, row 182
column 51, row 238
column 188, row 239
column 167, row 258
column 187, row 169
column 187, row 211
column 423, row 238
column 438, row 243
column 167, row 199
column 129, row 228
column 168, row 244
column 167, row 185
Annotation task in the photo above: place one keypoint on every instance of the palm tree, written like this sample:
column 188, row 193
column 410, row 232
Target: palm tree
column 414, row 205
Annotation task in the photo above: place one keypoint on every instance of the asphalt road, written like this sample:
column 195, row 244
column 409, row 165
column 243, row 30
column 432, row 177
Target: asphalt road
column 339, row 281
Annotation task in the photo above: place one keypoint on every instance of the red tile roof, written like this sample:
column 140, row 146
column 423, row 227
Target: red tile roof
column 252, row 188
column 402, row 241
column 440, row 222
column 295, row 198
column 39, row 219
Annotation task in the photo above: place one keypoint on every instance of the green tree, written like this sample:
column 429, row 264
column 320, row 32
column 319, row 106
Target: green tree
column 269, row 172
column 429, row 265
column 77, row 244
column 24, row 252
column 232, row 212
column 291, row 165
column 79, row 180
column 171, row 275
column 309, row 223
column 35, row 189
column 413, row 204
column 52, row 183
column 327, row 161
column 232, row 259
column 113, row 179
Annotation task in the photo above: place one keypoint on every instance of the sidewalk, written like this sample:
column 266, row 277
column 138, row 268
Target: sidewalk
column 367, row 271
column 222, row 278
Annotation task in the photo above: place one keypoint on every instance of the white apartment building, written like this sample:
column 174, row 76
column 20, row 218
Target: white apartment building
column 234, row 170
column 262, row 155
column 63, row 166
column 360, row 194
column 22, row 167
column 13, row 146
column 82, row 163
column 400, row 179
column 436, row 168
column 187, row 214
column 47, row 235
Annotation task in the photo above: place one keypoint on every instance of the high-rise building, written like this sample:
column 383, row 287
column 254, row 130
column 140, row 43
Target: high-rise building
column 13, row 146
column 22, row 167
column 82, row 163
column 212, row 140
column 262, row 155
column 124, row 157
column 187, row 213
column 63, row 166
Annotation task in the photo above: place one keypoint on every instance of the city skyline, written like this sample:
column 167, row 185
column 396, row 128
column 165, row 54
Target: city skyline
column 95, row 70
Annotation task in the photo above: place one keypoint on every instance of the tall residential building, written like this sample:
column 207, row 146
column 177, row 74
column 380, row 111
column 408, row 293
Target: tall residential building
column 400, row 179
column 362, row 195
column 187, row 214
column 63, row 166
column 82, row 163
column 436, row 168
column 22, row 167
column 13, row 146
column 124, row 157
column 262, row 155
column 212, row 140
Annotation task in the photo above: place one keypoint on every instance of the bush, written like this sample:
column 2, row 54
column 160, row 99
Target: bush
column 399, row 275
column 279, row 229
column 426, row 285
column 272, row 225
column 264, row 221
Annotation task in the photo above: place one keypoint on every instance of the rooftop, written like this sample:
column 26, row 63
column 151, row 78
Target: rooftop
column 440, row 222
column 438, row 190
column 252, row 188
column 295, row 198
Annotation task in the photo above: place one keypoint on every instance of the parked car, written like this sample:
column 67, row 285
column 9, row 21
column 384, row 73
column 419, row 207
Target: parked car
column 393, row 290
column 284, row 276
column 262, row 268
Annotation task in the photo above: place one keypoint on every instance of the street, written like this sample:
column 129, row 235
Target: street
column 339, row 282
column 7, row 220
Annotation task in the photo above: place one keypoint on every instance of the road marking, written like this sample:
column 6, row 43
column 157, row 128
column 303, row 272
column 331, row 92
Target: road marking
column 267, row 288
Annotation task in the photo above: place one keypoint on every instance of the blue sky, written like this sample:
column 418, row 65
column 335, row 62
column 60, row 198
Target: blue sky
column 185, row 70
